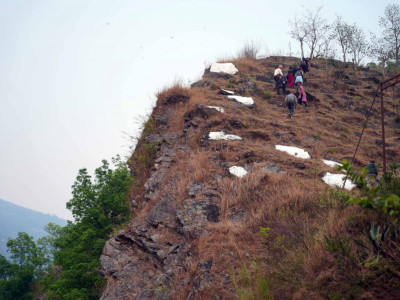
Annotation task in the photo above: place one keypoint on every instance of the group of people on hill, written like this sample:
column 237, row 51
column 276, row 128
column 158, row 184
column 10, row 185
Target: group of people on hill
column 296, row 77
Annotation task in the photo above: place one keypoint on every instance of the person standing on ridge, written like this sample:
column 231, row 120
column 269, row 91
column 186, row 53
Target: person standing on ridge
column 277, row 77
column 290, row 79
column 298, row 78
column 298, row 73
column 290, row 101
column 305, row 65
column 282, row 84
column 302, row 95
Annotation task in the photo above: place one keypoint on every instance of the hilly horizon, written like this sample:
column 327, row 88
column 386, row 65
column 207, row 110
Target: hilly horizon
column 15, row 218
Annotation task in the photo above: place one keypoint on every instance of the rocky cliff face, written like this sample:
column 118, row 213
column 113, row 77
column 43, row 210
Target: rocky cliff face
column 195, row 222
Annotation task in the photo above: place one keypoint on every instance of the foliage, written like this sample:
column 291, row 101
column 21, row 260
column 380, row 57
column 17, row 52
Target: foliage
column 251, row 283
column 264, row 232
column 384, row 201
column 98, row 206
column 335, row 198
column 339, row 246
column 384, row 198
column 28, row 264
column 376, row 236
column 267, row 95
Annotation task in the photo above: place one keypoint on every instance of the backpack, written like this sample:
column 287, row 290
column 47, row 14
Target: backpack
column 283, row 80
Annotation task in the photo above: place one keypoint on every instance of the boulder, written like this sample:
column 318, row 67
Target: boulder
column 163, row 212
column 195, row 215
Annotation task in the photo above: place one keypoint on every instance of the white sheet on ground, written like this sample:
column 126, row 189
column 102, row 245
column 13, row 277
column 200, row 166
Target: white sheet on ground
column 227, row 92
column 295, row 151
column 220, row 109
column 228, row 68
column 337, row 180
column 238, row 171
column 248, row 101
column 331, row 163
column 220, row 135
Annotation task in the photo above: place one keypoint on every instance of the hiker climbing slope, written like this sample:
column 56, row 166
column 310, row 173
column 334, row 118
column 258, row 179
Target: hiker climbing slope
column 282, row 84
column 302, row 95
column 291, row 101
column 372, row 173
column 277, row 76
column 305, row 65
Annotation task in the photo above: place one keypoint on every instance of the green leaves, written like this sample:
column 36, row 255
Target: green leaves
column 28, row 264
column 383, row 198
column 98, row 205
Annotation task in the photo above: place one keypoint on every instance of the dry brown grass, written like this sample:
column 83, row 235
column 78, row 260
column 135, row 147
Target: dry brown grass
column 247, row 65
column 294, row 254
column 174, row 94
column 201, row 164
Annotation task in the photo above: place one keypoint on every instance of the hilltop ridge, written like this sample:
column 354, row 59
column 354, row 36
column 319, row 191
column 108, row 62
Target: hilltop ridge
column 15, row 218
column 199, row 231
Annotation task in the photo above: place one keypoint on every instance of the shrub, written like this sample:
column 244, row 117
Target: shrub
column 251, row 283
column 249, row 50
column 174, row 94
column 267, row 95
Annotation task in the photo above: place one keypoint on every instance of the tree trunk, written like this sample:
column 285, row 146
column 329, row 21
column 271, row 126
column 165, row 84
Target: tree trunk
column 302, row 50
column 344, row 54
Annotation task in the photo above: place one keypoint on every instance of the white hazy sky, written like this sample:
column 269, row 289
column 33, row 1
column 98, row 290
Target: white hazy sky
column 75, row 74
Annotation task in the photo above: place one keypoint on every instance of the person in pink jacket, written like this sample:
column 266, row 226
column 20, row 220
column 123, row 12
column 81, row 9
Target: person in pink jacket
column 302, row 95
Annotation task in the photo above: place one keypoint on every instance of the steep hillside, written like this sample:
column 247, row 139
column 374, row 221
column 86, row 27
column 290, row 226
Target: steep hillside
column 14, row 219
column 200, row 232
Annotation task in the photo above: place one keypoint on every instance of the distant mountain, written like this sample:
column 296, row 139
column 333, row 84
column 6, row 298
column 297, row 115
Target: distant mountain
column 14, row 219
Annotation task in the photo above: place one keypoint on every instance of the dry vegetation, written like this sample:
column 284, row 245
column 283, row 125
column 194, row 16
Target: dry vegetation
column 285, row 246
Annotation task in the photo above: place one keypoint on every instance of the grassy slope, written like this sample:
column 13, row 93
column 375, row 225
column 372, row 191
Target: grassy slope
column 291, row 259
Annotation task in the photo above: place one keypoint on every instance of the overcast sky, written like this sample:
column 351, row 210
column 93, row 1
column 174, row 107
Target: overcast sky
column 75, row 74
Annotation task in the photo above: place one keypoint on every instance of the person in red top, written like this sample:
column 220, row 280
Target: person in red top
column 302, row 95
column 290, row 80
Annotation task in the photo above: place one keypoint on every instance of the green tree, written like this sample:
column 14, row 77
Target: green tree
column 28, row 262
column 98, row 205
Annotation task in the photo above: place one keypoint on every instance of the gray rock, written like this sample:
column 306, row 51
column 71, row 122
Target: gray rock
column 194, row 189
column 195, row 215
column 264, row 78
column 200, row 84
column 163, row 212
column 237, row 215
column 272, row 168
column 210, row 193
column 161, row 119
column 111, row 255
column 152, row 184
column 202, row 279
column 155, row 138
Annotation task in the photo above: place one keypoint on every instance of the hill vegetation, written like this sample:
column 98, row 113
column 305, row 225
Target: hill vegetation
column 200, row 232
column 65, row 263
